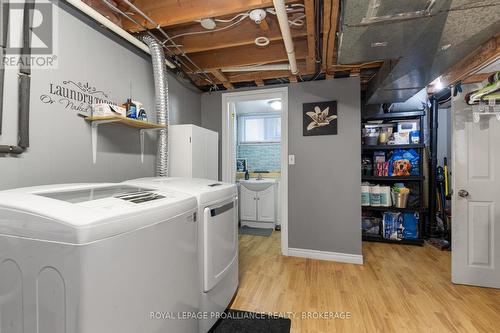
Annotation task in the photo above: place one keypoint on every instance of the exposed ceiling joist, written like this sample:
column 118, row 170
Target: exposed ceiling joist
column 247, row 55
column 222, row 78
column 173, row 12
column 267, row 75
column 484, row 55
column 264, row 25
column 259, row 82
column 477, row 78
column 330, row 19
column 236, row 77
column 246, row 33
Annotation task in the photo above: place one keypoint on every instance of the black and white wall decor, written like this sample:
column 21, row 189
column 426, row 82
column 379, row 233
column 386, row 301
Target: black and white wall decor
column 241, row 164
column 320, row 118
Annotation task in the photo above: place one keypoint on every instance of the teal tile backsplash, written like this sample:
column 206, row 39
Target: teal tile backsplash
column 261, row 156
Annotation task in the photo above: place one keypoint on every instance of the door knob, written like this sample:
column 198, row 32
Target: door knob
column 463, row 193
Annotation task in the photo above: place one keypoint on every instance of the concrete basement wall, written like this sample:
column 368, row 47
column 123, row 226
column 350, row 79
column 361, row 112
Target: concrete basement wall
column 324, row 184
column 60, row 149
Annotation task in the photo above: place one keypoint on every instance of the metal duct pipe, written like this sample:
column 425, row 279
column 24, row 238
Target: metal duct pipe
column 161, row 95
column 279, row 6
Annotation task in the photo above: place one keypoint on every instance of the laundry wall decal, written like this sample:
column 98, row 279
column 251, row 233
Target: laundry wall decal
column 320, row 118
column 75, row 96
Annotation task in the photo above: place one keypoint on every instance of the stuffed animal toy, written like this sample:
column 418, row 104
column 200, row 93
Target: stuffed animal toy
column 401, row 168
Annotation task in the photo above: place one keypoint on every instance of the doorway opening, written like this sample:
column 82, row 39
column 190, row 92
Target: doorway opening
column 254, row 156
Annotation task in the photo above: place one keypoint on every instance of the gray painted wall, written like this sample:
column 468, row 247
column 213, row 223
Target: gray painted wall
column 60, row 149
column 324, row 184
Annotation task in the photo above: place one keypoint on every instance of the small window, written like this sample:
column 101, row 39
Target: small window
column 260, row 128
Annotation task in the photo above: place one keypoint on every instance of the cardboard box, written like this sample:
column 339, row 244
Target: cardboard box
column 102, row 110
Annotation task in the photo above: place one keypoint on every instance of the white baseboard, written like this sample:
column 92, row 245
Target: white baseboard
column 323, row 255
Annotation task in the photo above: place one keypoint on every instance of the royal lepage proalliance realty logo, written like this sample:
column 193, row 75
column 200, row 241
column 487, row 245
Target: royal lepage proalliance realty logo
column 28, row 33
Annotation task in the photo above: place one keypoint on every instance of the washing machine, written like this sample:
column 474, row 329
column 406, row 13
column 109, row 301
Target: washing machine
column 89, row 258
column 218, row 241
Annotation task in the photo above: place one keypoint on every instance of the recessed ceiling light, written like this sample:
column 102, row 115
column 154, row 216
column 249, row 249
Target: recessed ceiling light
column 379, row 44
column 208, row 23
column 437, row 84
column 445, row 47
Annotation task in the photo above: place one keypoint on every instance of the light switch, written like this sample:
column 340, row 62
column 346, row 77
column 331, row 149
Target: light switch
column 291, row 159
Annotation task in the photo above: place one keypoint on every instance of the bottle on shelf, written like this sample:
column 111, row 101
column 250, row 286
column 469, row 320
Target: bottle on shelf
column 131, row 109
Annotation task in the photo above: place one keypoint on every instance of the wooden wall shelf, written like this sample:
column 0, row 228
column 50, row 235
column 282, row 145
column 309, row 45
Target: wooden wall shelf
column 125, row 121
column 142, row 126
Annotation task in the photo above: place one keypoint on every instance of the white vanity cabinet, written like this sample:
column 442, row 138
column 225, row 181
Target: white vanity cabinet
column 266, row 205
column 258, row 206
column 248, row 204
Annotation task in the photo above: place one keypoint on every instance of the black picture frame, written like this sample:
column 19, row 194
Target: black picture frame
column 241, row 164
column 320, row 118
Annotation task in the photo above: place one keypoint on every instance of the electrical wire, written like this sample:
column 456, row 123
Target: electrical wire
column 144, row 29
column 232, row 19
column 298, row 21
column 159, row 28
column 209, row 31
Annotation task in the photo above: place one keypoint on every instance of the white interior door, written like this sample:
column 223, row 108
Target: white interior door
column 476, row 198
column 265, row 205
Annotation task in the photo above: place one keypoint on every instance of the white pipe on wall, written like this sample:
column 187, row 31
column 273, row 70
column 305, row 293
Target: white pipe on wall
column 86, row 9
column 282, row 16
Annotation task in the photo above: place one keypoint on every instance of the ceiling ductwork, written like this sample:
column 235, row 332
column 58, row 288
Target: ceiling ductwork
column 422, row 39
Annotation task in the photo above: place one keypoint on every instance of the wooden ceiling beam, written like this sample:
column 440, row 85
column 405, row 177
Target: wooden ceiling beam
column 172, row 12
column 259, row 82
column 484, row 55
column 311, row 40
column 235, row 77
column 247, row 55
column 477, row 78
column 222, row 78
column 244, row 34
column 330, row 21
column 264, row 25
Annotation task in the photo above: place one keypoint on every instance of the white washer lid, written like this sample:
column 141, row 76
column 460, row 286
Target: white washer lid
column 205, row 190
column 83, row 213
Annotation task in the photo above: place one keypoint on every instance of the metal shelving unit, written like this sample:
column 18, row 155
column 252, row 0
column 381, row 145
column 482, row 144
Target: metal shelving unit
column 420, row 179
column 392, row 179
column 391, row 147
column 419, row 242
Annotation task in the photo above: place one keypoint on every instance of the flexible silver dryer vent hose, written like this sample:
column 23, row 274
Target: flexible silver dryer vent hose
column 161, row 95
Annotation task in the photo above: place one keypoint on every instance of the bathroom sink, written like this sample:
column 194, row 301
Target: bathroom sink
column 255, row 184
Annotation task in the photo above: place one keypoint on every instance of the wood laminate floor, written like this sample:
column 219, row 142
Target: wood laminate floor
column 398, row 289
